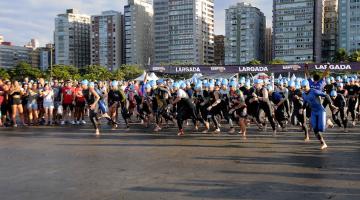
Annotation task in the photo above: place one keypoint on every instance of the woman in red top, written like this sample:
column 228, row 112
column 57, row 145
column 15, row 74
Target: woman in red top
column 79, row 105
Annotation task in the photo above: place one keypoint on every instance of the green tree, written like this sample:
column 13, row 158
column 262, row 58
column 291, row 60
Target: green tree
column 130, row 71
column 64, row 72
column 254, row 62
column 277, row 62
column 4, row 74
column 23, row 69
column 95, row 72
column 355, row 56
column 341, row 56
column 118, row 74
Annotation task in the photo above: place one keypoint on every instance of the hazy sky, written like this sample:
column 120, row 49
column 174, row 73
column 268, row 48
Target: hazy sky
column 21, row 20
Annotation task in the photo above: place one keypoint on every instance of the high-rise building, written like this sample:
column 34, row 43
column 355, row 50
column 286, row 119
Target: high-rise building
column 297, row 30
column 268, row 46
column 34, row 44
column 330, row 34
column 46, row 56
column 219, row 50
column 138, row 32
column 349, row 25
column 35, row 58
column 10, row 55
column 106, row 39
column 245, row 34
column 72, row 39
column 184, row 31
column 44, row 60
column 123, row 41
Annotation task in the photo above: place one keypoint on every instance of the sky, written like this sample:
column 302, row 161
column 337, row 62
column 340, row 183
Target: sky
column 21, row 20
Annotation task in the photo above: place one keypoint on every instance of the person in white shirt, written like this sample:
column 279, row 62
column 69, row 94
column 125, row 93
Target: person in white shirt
column 48, row 103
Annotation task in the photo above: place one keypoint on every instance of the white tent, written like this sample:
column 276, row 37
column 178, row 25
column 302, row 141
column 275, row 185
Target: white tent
column 141, row 78
column 152, row 76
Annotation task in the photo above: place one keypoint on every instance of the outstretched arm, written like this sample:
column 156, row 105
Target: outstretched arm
column 307, row 74
column 326, row 73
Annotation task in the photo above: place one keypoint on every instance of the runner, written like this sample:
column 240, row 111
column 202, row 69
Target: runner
column 92, row 100
column 238, row 108
column 261, row 96
column 318, row 114
column 339, row 101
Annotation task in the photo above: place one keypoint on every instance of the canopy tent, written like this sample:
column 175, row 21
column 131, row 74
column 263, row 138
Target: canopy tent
column 150, row 77
column 141, row 78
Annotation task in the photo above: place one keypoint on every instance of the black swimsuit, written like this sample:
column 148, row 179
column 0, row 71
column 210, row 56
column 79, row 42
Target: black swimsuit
column 15, row 98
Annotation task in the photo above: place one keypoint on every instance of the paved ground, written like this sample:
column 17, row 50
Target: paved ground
column 68, row 163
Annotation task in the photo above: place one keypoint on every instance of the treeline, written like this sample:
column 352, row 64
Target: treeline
column 63, row 72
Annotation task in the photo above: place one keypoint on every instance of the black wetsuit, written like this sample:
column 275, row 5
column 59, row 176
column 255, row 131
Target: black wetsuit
column 340, row 103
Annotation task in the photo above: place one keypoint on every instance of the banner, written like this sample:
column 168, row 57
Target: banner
column 285, row 68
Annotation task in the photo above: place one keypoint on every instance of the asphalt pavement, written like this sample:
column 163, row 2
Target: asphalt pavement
column 50, row 163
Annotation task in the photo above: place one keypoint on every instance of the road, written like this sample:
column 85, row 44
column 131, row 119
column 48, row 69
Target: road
column 45, row 163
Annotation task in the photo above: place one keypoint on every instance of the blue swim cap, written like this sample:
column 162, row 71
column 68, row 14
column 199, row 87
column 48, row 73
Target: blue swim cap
column 198, row 86
column 131, row 87
column 91, row 84
column 328, row 81
column 233, row 84
column 297, row 85
column 270, row 88
column 85, row 82
column 333, row 93
column 152, row 83
column 225, row 82
column 305, row 83
column 148, row 86
column 176, row 85
column 242, row 80
column 258, row 81
column 340, row 85
column 338, row 78
column 114, row 83
column 218, row 83
column 291, row 84
column 160, row 81
column 183, row 85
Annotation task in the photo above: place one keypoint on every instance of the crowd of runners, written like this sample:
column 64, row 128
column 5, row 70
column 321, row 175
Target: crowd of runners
column 281, row 102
